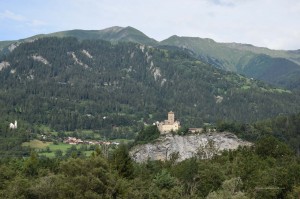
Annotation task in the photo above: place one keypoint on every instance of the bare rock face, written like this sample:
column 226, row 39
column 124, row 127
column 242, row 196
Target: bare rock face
column 202, row 145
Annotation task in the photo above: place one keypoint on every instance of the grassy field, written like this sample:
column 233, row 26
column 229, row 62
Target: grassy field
column 61, row 146
column 41, row 147
column 36, row 144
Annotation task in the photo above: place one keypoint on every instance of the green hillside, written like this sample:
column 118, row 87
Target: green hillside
column 113, row 34
column 276, row 71
column 293, row 55
column 208, row 48
column 280, row 68
column 69, row 84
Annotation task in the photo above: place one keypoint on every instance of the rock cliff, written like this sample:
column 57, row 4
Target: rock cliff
column 200, row 145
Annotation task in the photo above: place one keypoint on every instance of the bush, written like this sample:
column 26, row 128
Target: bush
column 148, row 134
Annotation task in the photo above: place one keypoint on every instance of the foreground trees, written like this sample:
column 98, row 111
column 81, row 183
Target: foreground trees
column 254, row 172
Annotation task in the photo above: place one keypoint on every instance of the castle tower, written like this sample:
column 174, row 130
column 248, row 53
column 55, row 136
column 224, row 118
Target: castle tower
column 171, row 117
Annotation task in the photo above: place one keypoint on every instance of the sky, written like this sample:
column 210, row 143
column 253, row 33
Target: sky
column 274, row 24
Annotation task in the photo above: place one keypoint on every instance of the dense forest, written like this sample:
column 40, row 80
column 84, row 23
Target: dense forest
column 69, row 84
column 283, row 127
column 256, row 172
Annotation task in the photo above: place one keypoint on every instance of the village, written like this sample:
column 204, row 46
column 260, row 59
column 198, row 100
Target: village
column 165, row 127
column 49, row 143
column 75, row 141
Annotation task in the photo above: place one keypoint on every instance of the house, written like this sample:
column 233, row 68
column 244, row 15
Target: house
column 168, row 125
column 73, row 140
column 195, row 130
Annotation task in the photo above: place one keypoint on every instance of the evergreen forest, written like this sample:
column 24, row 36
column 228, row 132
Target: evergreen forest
column 68, row 84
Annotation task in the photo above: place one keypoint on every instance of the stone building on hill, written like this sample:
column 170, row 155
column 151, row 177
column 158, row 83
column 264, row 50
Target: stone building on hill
column 168, row 125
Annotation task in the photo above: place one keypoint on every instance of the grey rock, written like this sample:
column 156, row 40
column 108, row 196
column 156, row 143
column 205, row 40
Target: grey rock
column 199, row 145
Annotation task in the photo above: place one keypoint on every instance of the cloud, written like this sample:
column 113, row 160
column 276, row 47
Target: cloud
column 222, row 2
column 17, row 18
column 36, row 22
column 259, row 22
column 12, row 16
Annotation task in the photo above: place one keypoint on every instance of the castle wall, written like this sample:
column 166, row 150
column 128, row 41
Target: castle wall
column 166, row 128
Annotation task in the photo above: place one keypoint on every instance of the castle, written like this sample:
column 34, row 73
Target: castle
column 168, row 125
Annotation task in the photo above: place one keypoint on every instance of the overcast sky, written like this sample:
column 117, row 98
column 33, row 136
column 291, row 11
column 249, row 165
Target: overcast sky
column 267, row 23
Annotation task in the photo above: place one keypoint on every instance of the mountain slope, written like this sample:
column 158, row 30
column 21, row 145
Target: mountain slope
column 240, row 58
column 276, row 71
column 70, row 84
column 206, row 48
column 284, row 66
column 113, row 34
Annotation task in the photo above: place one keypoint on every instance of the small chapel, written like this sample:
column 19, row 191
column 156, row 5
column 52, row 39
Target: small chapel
column 168, row 125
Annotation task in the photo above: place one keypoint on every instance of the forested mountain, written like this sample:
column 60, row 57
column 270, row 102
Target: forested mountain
column 112, row 34
column 277, row 67
column 280, row 68
column 92, row 84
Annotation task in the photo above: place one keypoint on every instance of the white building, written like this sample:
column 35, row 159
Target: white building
column 13, row 126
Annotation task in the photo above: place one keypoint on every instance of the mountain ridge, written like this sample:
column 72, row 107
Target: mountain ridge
column 236, row 57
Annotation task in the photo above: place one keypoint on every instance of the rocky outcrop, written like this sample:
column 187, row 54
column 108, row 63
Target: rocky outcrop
column 4, row 64
column 201, row 145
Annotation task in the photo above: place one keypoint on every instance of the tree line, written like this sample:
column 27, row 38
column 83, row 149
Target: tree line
column 269, row 169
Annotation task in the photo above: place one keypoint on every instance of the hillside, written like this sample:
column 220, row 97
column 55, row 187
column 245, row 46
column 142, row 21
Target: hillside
column 279, row 68
column 113, row 34
column 276, row 71
column 69, row 84
column 284, row 66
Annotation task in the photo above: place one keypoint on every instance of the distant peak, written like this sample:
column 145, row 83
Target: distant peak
column 186, row 38
column 113, row 29
column 117, row 29
column 130, row 27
